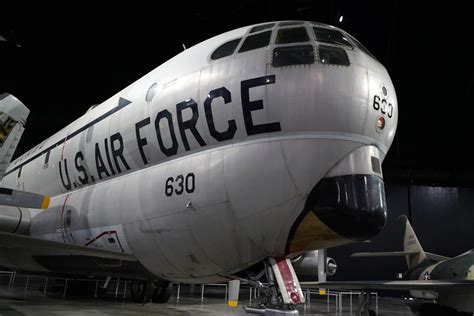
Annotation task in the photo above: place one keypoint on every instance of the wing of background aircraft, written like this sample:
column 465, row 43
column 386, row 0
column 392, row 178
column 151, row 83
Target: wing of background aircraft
column 422, row 285
column 13, row 114
column 435, row 257
column 429, row 255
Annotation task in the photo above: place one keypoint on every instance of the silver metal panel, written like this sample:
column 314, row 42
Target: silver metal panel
column 357, row 162
column 308, row 160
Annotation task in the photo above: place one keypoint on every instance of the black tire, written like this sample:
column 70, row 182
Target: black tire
column 138, row 290
column 372, row 312
column 161, row 294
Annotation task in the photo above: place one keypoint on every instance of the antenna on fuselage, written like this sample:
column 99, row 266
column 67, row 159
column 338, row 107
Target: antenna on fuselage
column 184, row 47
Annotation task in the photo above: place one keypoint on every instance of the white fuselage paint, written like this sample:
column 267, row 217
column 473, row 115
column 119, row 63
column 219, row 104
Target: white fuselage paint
column 233, row 202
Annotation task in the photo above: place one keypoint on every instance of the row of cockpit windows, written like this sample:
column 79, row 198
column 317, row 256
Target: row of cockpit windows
column 294, row 32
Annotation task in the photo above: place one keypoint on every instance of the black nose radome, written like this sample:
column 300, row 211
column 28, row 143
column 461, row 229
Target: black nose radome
column 353, row 206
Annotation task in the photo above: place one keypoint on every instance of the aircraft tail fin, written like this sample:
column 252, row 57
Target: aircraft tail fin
column 412, row 245
column 13, row 114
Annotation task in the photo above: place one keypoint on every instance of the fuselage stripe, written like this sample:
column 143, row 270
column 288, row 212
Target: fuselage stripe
column 120, row 106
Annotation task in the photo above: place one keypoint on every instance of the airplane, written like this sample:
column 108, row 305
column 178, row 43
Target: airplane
column 448, row 281
column 237, row 154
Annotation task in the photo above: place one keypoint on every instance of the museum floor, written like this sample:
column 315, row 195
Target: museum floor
column 26, row 297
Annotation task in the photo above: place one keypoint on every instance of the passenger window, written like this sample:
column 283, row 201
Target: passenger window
column 225, row 49
column 262, row 27
column 292, row 35
column 330, row 36
column 256, row 41
column 333, row 56
column 290, row 23
column 293, row 55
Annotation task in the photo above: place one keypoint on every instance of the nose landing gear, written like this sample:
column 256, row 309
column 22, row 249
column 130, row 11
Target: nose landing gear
column 281, row 292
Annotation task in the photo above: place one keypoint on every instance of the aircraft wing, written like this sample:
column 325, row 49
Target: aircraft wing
column 384, row 254
column 424, row 285
column 436, row 257
column 42, row 247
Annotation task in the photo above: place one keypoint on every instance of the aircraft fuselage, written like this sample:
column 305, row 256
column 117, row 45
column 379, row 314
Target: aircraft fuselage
column 204, row 167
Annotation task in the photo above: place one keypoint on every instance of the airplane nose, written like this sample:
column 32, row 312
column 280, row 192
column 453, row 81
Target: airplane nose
column 346, row 205
column 353, row 206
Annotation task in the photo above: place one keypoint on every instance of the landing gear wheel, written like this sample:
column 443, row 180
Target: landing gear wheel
column 161, row 294
column 138, row 289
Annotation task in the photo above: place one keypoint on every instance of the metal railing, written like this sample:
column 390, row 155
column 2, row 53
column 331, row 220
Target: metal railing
column 338, row 298
column 254, row 293
column 14, row 277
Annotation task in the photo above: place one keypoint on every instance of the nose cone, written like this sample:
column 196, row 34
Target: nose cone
column 340, row 210
column 353, row 206
column 347, row 205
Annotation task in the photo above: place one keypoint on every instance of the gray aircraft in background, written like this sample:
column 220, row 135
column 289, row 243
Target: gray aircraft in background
column 448, row 282
column 252, row 147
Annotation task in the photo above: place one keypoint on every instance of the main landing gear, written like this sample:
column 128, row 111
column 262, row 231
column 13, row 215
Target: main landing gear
column 143, row 291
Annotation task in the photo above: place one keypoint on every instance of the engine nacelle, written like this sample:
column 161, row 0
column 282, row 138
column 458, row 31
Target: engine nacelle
column 15, row 220
column 306, row 264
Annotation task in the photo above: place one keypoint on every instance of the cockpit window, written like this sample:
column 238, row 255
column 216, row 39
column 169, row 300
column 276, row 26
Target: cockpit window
column 331, row 55
column 262, row 27
column 292, row 35
column 289, row 23
column 225, row 49
column 293, row 55
column 361, row 47
column 256, row 41
column 331, row 36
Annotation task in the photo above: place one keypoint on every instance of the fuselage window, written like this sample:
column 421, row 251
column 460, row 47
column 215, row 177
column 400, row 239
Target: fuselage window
column 150, row 94
column 331, row 55
column 259, row 28
column 256, row 41
column 292, row 35
column 225, row 49
column 331, row 36
column 289, row 23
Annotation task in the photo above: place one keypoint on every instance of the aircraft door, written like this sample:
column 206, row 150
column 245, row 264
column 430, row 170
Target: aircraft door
column 67, row 220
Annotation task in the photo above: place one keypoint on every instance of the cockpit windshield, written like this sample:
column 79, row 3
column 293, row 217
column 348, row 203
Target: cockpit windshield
column 331, row 36
column 360, row 46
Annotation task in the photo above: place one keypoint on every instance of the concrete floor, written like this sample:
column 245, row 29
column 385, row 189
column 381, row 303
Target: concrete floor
column 26, row 298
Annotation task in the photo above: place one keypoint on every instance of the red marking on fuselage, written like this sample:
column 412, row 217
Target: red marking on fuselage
column 110, row 232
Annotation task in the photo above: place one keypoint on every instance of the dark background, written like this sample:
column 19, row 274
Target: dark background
column 61, row 58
